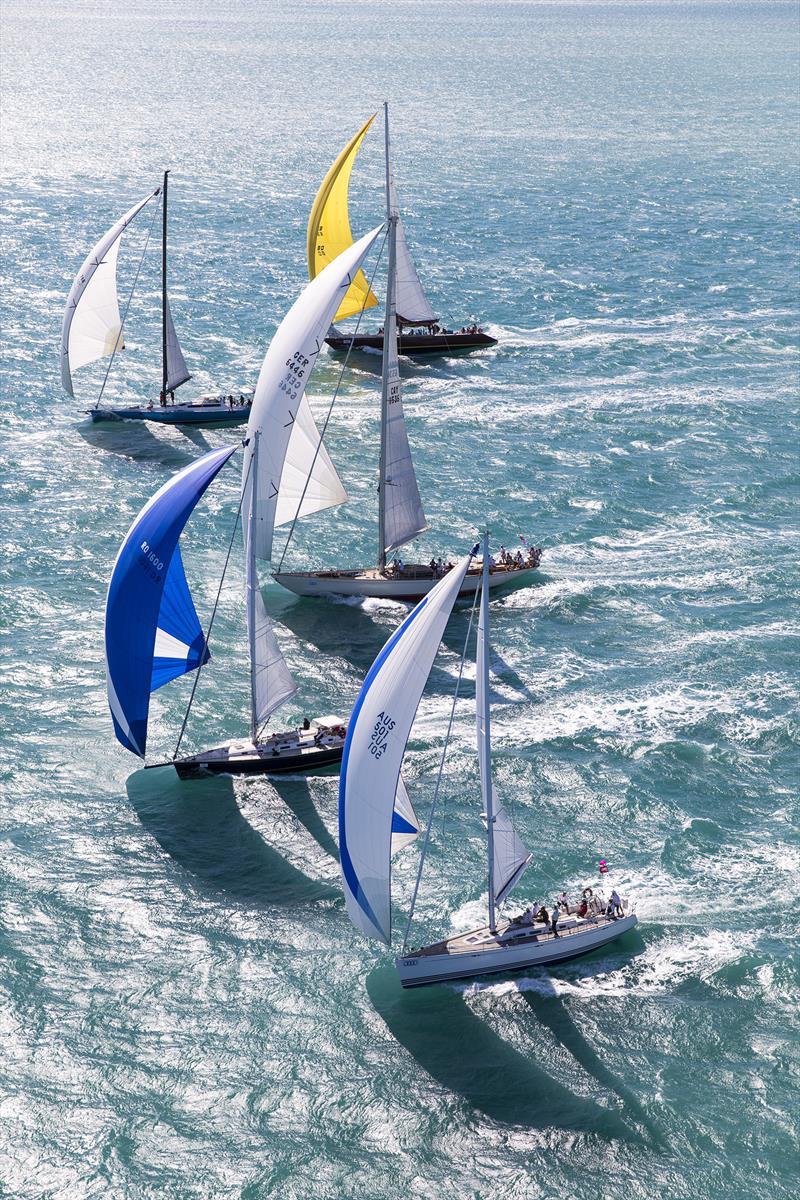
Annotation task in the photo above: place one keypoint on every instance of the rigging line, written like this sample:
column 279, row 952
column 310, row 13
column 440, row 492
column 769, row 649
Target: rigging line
column 213, row 613
column 333, row 399
column 127, row 306
column 439, row 776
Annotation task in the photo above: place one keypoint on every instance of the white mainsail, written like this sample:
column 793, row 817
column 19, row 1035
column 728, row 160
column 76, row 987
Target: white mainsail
column 271, row 682
column 308, row 473
column 283, row 378
column 509, row 857
column 92, row 327
column 376, row 741
column 412, row 304
column 403, row 517
column 177, row 371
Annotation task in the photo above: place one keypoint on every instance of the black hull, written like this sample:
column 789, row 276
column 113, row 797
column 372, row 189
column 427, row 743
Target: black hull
column 199, row 766
column 416, row 344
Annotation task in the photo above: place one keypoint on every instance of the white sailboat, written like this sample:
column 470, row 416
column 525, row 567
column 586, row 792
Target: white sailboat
column 401, row 517
column 93, row 329
column 378, row 732
column 152, row 631
column 419, row 332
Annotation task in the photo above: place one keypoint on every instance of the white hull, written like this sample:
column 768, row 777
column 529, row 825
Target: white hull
column 512, row 948
column 387, row 585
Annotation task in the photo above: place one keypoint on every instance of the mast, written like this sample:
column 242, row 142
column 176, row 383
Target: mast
column 252, row 586
column 389, row 332
column 484, row 635
column 164, row 369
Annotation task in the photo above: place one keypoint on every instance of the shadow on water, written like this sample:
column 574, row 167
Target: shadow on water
column 296, row 795
column 132, row 439
column 199, row 825
column 358, row 635
column 550, row 1010
column 454, row 1046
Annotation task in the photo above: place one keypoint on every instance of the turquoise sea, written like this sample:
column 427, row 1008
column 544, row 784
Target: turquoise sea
column 612, row 188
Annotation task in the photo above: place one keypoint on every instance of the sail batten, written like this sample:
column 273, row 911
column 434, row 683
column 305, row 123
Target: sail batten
column 373, row 753
column 92, row 327
column 329, row 233
column 282, row 381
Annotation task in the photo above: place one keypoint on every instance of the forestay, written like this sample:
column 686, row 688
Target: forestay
column 411, row 302
column 329, row 233
column 282, row 382
column 152, row 633
column 403, row 517
column 373, row 753
column 92, row 327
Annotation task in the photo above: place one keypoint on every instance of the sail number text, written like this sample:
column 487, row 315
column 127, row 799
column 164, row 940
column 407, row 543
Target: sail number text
column 380, row 734
column 292, row 380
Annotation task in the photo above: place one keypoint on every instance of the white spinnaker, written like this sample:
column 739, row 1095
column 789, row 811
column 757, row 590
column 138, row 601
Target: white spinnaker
column 410, row 299
column 318, row 484
column 92, row 327
column 283, row 377
column 510, row 857
column 403, row 515
column 376, row 741
column 405, row 824
column 177, row 371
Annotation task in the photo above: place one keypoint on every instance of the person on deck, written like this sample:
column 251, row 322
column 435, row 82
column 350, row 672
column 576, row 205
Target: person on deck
column 554, row 920
column 543, row 915
column 615, row 905
column 563, row 902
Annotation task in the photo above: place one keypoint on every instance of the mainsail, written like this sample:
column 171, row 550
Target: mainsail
column 373, row 753
column 509, row 857
column 92, row 327
column 329, row 233
column 401, row 514
column 177, row 371
column 152, row 633
column 412, row 305
column 282, row 382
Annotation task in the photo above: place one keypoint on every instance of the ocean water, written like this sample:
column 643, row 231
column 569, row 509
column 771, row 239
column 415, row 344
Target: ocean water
column 613, row 190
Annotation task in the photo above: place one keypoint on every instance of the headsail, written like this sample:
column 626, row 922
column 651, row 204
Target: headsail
column 411, row 302
column 308, row 473
column 329, row 228
column 282, row 382
column 509, row 857
column 373, row 753
column 177, row 371
column 152, row 633
column 92, row 327
column 405, row 825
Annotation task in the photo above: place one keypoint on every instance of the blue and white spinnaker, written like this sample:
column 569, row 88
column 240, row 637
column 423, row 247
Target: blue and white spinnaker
column 372, row 797
column 152, row 632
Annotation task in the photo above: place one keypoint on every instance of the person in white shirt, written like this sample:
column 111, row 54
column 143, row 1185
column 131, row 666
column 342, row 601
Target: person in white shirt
column 554, row 920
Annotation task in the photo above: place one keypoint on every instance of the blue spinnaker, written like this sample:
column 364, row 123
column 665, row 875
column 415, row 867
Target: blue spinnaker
column 152, row 631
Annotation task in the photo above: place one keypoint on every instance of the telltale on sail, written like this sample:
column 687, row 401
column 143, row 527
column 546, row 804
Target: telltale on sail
column 419, row 331
column 94, row 329
column 377, row 737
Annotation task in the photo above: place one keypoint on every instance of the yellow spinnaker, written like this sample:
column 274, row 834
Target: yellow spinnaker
column 329, row 227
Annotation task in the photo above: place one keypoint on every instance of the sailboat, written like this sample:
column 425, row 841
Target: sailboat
column 418, row 329
column 93, row 329
column 153, row 635
column 152, row 631
column 400, row 514
column 377, row 735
